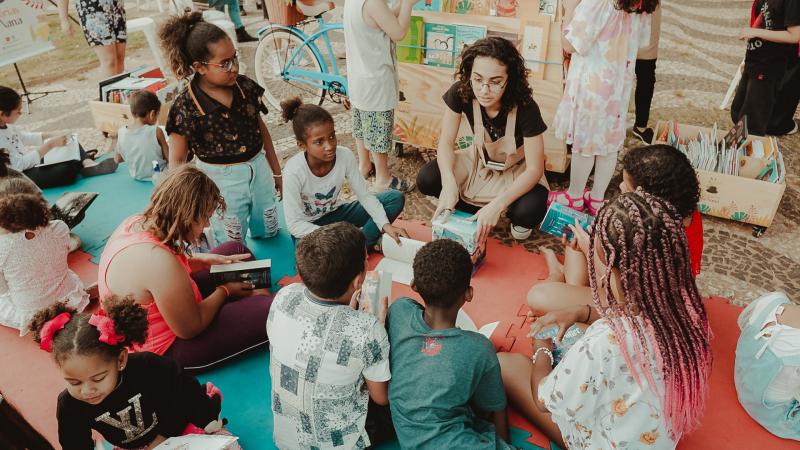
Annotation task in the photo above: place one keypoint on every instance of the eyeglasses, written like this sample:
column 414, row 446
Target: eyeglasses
column 493, row 86
column 226, row 65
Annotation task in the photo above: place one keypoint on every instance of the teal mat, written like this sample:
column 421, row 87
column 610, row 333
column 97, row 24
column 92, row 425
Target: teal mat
column 244, row 381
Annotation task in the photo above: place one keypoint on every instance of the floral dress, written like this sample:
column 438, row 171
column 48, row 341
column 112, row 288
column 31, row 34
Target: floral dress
column 593, row 110
column 102, row 21
column 596, row 402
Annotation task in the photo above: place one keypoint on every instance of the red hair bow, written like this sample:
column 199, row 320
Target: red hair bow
column 50, row 328
column 105, row 326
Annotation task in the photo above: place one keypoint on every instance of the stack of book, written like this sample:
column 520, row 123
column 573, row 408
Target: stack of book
column 118, row 88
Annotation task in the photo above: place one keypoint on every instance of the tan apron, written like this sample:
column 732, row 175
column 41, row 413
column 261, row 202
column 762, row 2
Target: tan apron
column 485, row 183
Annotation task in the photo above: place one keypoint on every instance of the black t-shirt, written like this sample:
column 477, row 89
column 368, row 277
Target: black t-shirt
column 529, row 118
column 770, row 58
column 154, row 397
column 215, row 133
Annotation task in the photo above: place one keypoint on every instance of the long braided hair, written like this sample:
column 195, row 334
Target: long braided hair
column 643, row 238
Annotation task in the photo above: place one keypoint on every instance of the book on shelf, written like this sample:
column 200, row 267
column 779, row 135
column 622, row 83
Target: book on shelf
column 477, row 7
column 410, row 49
column 428, row 5
column 71, row 207
column 397, row 259
column 257, row 272
column 506, row 8
column 467, row 34
column 440, row 44
column 508, row 35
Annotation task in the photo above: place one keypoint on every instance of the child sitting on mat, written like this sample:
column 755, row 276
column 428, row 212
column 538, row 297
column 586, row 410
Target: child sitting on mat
column 446, row 381
column 660, row 170
column 313, row 180
column 767, row 372
column 143, row 142
column 133, row 400
column 33, row 256
column 327, row 358
column 26, row 161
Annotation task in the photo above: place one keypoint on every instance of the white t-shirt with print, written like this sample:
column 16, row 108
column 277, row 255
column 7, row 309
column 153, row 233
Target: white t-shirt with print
column 595, row 401
column 320, row 354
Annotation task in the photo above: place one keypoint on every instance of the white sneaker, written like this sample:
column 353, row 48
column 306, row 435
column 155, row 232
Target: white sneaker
column 520, row 233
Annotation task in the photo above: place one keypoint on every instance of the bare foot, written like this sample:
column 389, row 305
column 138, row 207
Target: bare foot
column 554, row 266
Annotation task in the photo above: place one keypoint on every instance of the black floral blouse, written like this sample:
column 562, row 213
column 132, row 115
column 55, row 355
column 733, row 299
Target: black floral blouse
column 215, row 133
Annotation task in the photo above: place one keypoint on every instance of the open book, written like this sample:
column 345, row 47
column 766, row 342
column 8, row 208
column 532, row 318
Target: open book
column 71, row 207
column 397, row 259
column 197, row 442
column 559, row 217
column 464, row 322
column 257, row 272
column 69, row 152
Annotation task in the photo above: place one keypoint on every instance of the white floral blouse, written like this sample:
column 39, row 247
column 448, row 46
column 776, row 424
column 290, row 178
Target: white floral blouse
column 596, row 402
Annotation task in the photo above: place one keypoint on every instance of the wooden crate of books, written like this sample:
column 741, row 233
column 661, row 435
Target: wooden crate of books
column 110, row 117
column 428, row 56
column 752, row 196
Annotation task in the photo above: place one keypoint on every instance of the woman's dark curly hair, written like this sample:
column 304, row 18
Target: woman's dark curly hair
column 78, row 337
column 518, row 91
column 22, row 206
column 637, row 6
column 666, row 172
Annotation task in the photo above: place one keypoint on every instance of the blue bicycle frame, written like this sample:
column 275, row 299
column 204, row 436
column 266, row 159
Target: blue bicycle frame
column 329, row 75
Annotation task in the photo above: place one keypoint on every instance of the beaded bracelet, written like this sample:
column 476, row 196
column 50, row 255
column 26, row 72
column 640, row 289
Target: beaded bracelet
column 546, row 351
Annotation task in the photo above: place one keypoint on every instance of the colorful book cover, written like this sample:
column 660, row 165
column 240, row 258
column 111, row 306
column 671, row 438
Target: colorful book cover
column 458, row 227
column 477, row 7
column 409, row 50
column 467, row 34
column 440, row 44
column 513, row 37
column 428, row 5
column 558, row 218
column 507, row 8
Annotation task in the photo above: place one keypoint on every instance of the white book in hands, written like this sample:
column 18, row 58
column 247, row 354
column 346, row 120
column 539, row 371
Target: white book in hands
column 69, row 152
column 464, row 322
column 398, row 259
column 197, row 442
column 257, row 272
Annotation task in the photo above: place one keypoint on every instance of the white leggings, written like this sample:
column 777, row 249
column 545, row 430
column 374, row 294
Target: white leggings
column 581, row 167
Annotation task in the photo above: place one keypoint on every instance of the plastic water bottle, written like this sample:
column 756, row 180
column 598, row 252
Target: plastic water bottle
column 156, row 172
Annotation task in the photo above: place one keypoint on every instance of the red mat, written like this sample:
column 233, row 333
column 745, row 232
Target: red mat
column 501, row 286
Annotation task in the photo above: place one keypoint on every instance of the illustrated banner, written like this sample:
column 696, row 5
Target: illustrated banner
column 23, row 30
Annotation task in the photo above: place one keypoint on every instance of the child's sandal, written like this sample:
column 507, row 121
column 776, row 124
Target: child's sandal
column 591, row 204
column 575, row 203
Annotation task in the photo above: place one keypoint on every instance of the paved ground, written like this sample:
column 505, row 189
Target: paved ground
column 699, row 55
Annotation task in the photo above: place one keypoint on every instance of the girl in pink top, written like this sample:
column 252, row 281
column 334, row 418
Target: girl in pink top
column 190, row 318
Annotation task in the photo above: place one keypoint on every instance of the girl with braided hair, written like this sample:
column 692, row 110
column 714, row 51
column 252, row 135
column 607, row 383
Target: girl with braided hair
column 639, row 375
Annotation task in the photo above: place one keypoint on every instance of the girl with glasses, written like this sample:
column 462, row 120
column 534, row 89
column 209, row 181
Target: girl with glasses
column 218, row 120
column 504, row 168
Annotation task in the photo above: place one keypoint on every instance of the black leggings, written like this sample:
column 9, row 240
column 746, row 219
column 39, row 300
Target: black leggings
column 645, row 86
column 526, row 211
column 755, row 98
column 782, row 120
column 59, row 174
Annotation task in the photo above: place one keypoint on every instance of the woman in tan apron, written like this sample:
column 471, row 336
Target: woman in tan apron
column 503, row 170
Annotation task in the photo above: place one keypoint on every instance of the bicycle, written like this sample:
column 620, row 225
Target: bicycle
column 289, row 63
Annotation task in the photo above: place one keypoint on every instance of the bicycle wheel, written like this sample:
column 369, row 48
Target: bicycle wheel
column 272, row 56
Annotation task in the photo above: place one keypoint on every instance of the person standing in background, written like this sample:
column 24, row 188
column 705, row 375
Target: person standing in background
column 782, row 122
column 104, row 27
column 646, row 80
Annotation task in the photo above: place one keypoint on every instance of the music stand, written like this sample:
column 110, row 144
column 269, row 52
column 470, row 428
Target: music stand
column 30, row 97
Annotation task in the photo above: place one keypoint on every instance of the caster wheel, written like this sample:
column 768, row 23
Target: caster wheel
column 758, row 231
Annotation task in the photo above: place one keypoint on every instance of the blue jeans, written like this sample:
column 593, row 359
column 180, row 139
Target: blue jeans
column 249, row 193
column 392, row 201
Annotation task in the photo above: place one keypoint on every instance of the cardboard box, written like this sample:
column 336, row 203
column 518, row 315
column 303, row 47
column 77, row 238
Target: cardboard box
column 741, row 198
column 465, row 232
column 110, row 117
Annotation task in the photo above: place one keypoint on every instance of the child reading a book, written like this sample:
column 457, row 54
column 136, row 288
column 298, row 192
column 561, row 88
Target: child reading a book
column 313, row 181
column 767, row 371
column 27, row 160
column 143, row 143
column 133, row 400
column 772, row 39
column 33, row 256
column 218, row 119
column 661, row 170
column 446, row 390
column 193, row 320
column 371, row 27
column 504, row 168
column 327, row 358
column 603, row 37
column 640, row 373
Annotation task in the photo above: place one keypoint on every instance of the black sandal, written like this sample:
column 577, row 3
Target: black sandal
column 91, row 154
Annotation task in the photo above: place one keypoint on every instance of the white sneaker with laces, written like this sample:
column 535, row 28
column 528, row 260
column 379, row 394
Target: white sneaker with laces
column 520, row 233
